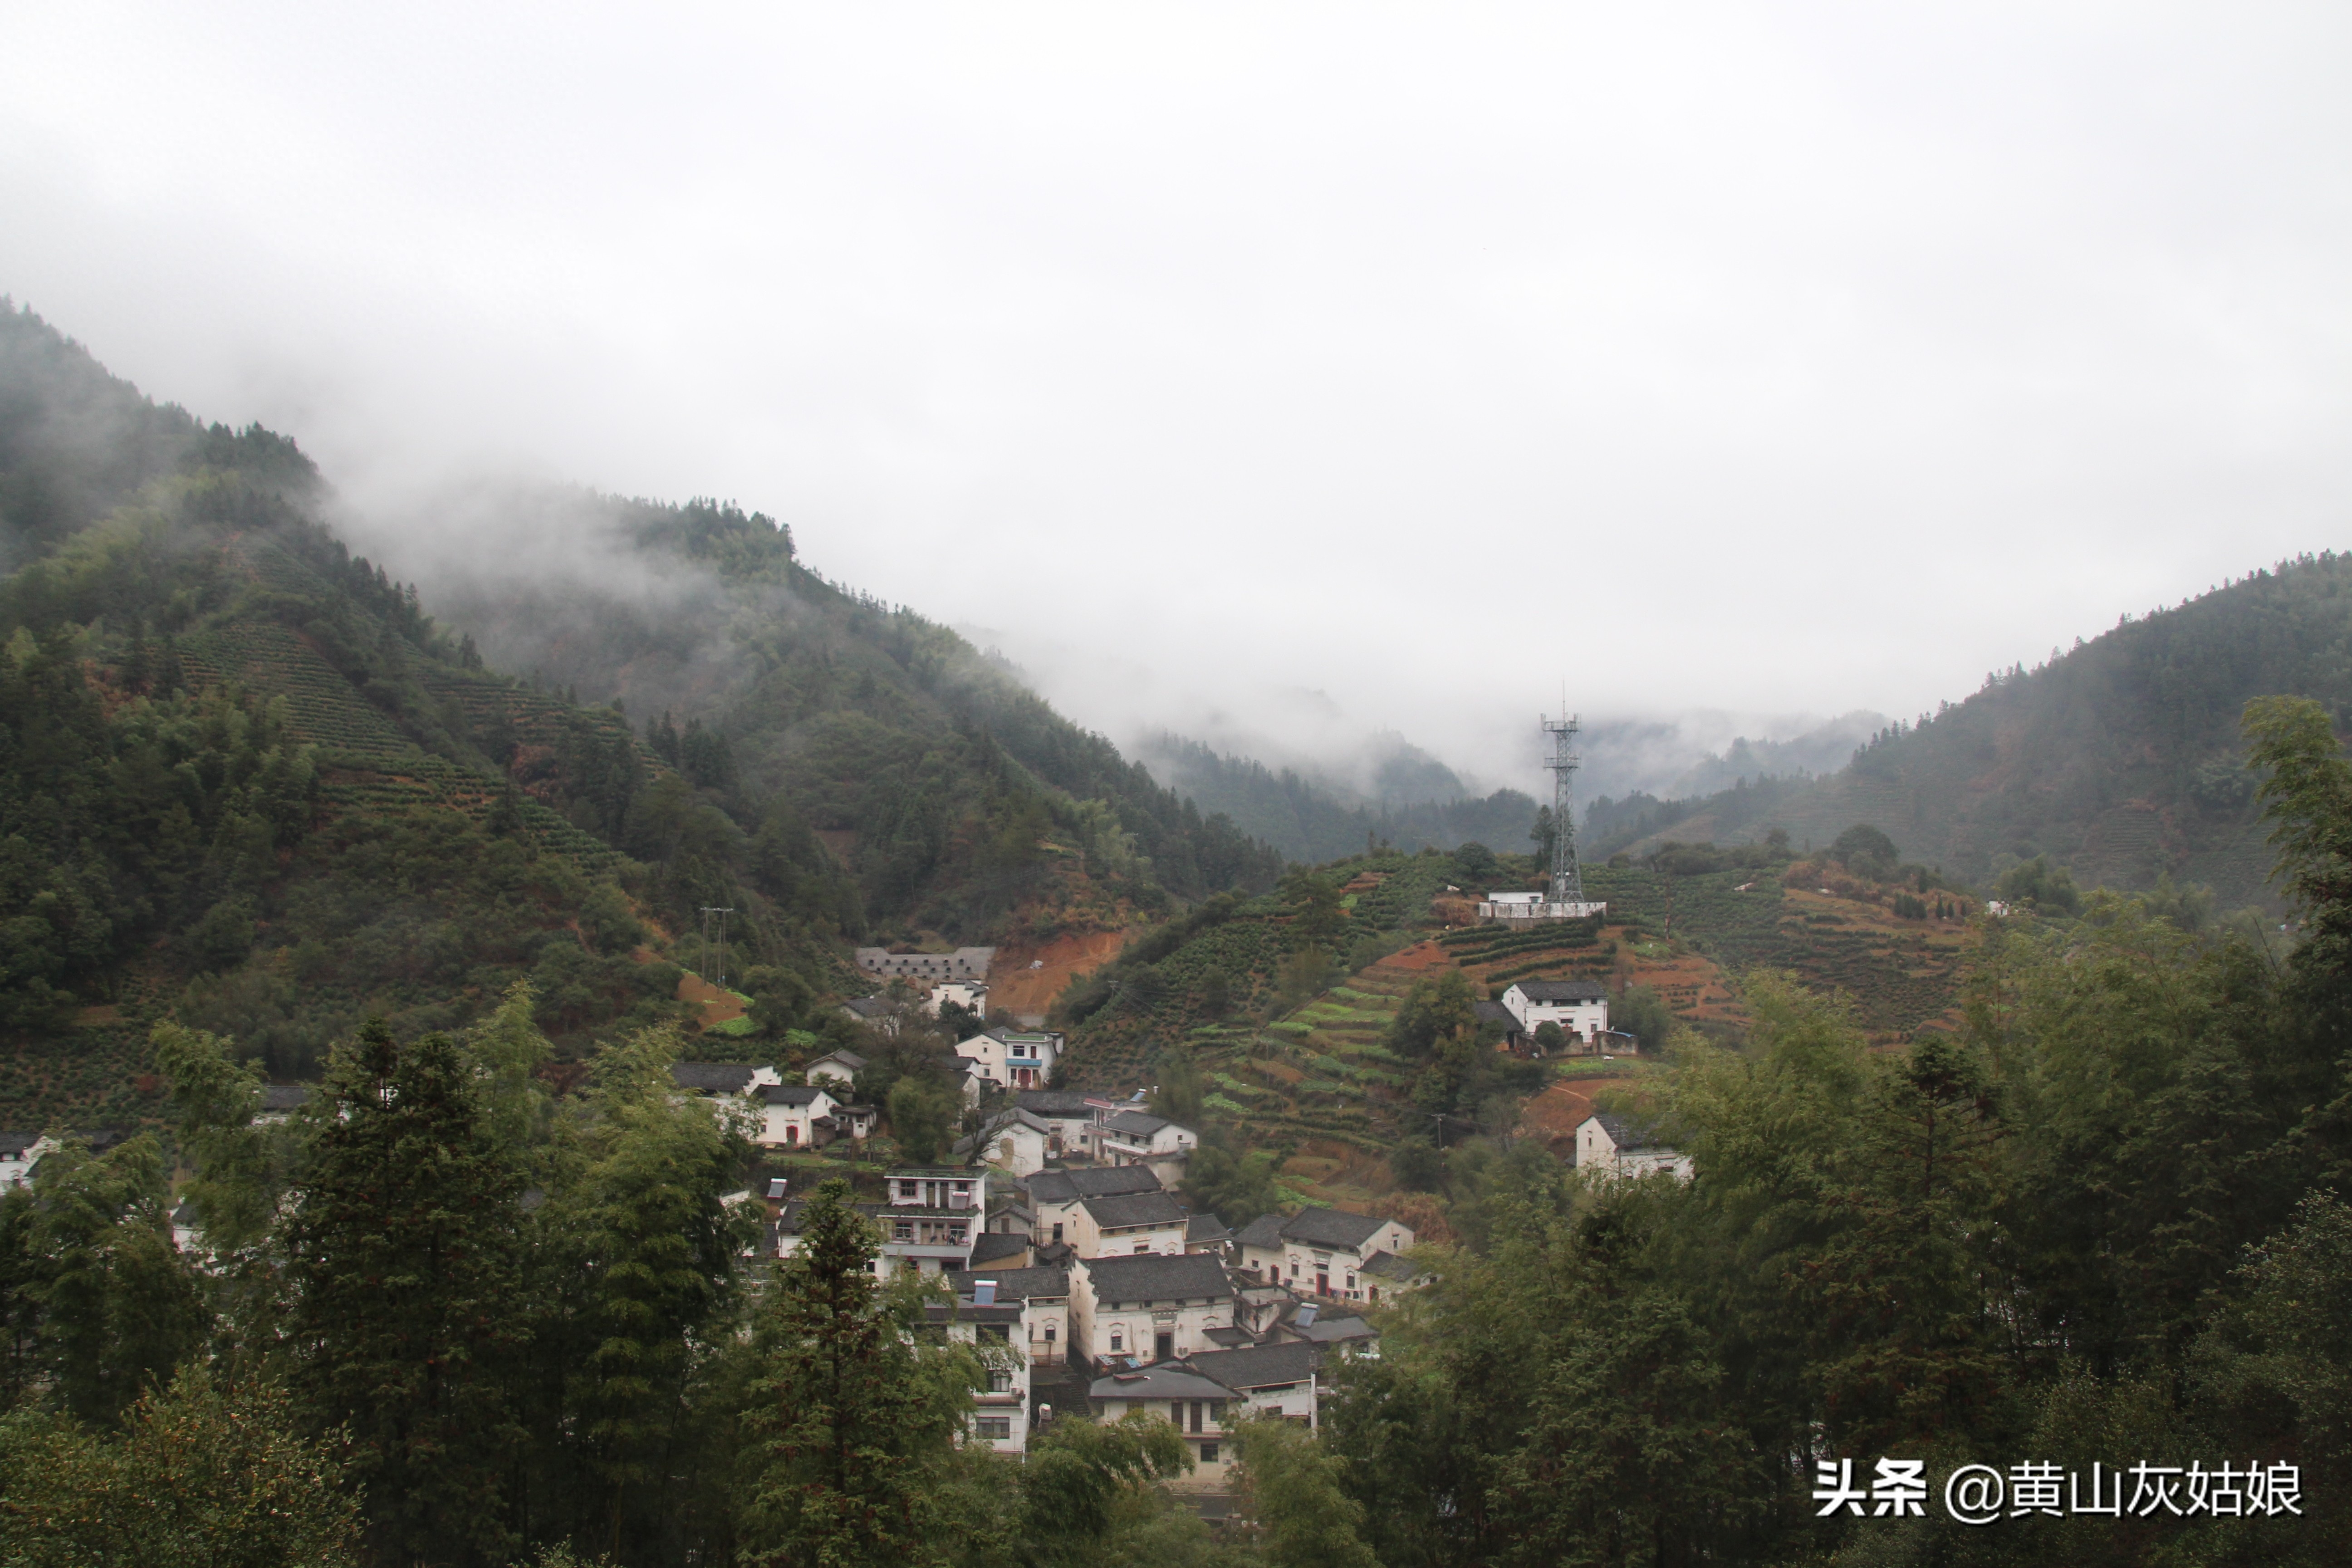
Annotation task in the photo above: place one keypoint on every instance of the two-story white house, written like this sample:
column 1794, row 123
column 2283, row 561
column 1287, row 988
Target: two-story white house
column 1014, row 1140
column 834, row 1070
column 1044, row 1297
column 1139, row 1138
column 1283, row 1379
column 1148, row 1309
column 1323, row 1252
column 1129, row 1224
column 1623, row 1146
column 971, row 995
column 1013, row 1059
column 930, row 1220
column 1198, row 1405
column 1055, row 1196
column 1580, row 1008
column 795, row 1116
column 999, row 1413
column 1069, row 1119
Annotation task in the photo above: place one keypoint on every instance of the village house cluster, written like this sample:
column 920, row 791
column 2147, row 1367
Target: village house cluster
column 1059, row 1227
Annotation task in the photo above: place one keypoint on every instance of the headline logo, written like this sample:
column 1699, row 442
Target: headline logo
column 1979, row 1494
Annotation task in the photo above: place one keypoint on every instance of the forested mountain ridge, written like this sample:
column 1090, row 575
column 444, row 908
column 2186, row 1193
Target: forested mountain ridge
column 963, row 805
column 1310, row 820
column 2119, row 759
column 248, row 782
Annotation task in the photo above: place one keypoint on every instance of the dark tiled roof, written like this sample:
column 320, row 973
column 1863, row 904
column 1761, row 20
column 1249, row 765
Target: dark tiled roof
column 847, row 1058
column 791, row 1094
column 1264, row 1231
column 1122, row 1209
column 712, row 1077
column 1054, row 1102
column 1330, row 1331
column 967, row 1312
column 998, row 1244
column 1563, row 991
column 1157, row 1277
column 1168, row 1380
column 1256, row 1366
column 1138, row 1123
column 867, row 1007
column 17, row 1142
column 1331, row 1228
column 1014, row 1284
column 1206, row 1227
column 1389, row 1265
column 1094, row 1182
column 285, row 1097
column 1628, row 1134
column 1494, row 1013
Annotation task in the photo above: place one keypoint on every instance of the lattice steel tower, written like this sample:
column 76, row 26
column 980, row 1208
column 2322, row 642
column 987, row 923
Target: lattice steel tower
column 1567, row 877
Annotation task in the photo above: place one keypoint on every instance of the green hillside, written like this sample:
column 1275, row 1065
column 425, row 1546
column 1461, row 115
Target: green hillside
column 250, row 783
column 2119, row 759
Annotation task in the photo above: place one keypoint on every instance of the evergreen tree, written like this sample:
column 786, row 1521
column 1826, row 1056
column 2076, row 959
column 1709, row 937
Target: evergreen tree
column 855, row 1409
column 402, row 1249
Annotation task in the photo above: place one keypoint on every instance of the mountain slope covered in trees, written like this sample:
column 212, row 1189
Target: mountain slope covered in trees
column 2118, row 760
column 249, row 782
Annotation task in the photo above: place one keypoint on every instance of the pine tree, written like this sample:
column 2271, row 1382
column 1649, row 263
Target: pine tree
column 402, row 1253
column 854, row 1410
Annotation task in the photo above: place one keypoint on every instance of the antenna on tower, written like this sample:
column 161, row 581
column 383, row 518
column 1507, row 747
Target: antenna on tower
column 1567, row 877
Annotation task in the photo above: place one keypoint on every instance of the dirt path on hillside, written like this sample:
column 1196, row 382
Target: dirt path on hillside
column 1017, row 988
column 1554, row 1115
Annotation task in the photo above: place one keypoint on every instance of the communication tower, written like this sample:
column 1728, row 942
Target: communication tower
column 1567, row 877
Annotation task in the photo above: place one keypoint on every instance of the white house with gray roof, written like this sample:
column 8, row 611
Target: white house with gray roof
column 1199, row 1407
column 1324, row 1252
column 1055, row 1195
column 1013, row 1059
column 1624, row 1146
column 1580, row 1008
column 1129, row 1224
column 1149, row 1308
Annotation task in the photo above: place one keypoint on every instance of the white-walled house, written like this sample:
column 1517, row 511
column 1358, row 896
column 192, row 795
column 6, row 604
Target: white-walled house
column 1127, row 1225
column 1283, row 1379
column 1325, row 1252
column 971, row 995
column 999, row 1413
column 930, row 1220
column 1139, row 1138
column 1580, row 1008
column 1044, row 1296
column 1069, row 1119
column 1015, row 1141
column 280, row 1102
column 1197, row 1405
column 835, row 1067
column 1150, row 1309
column 19, row 1153
column 795, row 1116
column 1620, row 1145
column 1055, row 1196
column 1013, row 1059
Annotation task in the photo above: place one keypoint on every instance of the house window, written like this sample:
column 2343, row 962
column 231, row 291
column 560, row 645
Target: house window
column 1216, row 1413
column 1208, row 1453
column 1141, row 1247
column 1000, row 1382
column 993, row 1428
column 1117, row 1340
column 1198, row 1413
column 955, row 1234
column 1058, row 1232
column 903, row 1230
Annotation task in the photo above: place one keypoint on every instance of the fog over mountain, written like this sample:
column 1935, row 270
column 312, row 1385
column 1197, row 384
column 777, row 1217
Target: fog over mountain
column 1760, row 363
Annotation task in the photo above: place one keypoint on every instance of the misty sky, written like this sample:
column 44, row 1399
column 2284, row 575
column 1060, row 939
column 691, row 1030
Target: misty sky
column 1760, row 359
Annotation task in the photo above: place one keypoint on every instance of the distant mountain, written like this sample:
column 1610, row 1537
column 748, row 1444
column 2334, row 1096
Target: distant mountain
column 1421, row 801
column 2120, row 759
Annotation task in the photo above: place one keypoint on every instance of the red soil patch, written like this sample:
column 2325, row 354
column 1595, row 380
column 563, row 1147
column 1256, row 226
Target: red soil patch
column 1421, row 957
column 1554, row 1115
column 1017, row 988
column 718, row 1005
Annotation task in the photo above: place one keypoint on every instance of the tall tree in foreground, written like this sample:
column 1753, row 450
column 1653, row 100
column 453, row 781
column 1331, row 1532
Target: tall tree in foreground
column 855, row 1410
column 402, row 1254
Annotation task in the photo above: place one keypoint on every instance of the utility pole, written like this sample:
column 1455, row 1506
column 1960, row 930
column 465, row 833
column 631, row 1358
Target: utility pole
column 719, row 980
